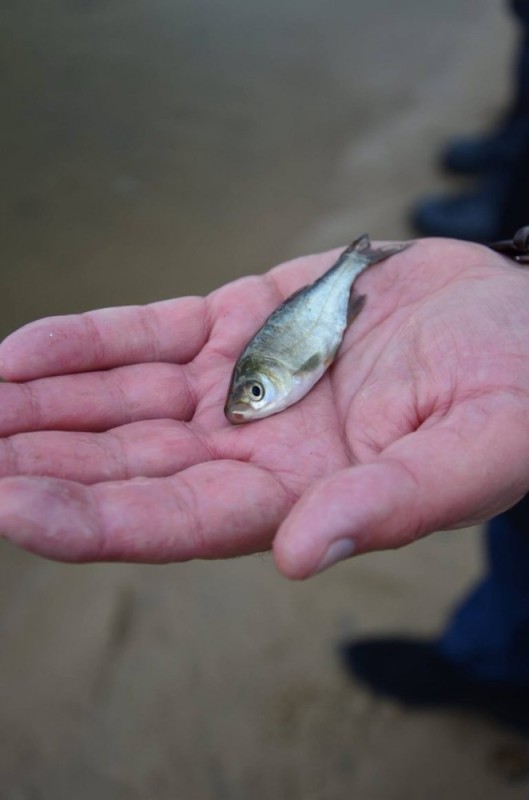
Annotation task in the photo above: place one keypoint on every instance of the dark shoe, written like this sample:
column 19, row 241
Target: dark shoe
column 473, row 155
column 416, row 674
column 474, row 216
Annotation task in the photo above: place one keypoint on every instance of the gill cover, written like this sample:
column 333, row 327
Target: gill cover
column 259, row 387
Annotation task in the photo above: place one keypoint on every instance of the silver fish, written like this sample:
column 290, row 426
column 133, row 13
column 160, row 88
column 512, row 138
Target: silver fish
column 300, row 339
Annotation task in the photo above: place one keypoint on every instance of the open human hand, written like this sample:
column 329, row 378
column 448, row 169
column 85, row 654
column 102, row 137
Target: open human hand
column 115, row 447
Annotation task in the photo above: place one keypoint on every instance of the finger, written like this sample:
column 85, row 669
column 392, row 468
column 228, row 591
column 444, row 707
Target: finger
column 99, row 400
column 463, row 471
column 172, row 331
column 209, row 511
column 155, row 448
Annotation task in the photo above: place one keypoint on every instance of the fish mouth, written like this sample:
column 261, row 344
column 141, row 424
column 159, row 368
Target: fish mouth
column 235, row 415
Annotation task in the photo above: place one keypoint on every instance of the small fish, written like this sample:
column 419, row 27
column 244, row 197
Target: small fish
column 300, row 339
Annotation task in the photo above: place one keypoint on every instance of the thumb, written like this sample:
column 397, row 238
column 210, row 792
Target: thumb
column 428, row 480
column 358, row 509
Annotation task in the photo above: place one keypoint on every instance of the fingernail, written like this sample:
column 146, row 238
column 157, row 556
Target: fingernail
column 337, row 551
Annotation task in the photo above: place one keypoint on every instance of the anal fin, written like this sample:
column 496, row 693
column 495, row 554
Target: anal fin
column 356, row 304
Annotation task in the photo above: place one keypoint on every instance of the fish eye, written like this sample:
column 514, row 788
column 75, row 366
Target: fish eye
column 257, row 391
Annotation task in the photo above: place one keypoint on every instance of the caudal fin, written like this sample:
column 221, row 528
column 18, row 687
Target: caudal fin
column 362, row 247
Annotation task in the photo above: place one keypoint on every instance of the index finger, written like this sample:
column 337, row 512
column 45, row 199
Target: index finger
column 171, row 330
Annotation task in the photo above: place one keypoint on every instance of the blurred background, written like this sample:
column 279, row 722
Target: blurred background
column 152, row 148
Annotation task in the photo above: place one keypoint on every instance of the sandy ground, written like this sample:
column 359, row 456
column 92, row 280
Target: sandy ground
column 155, row 148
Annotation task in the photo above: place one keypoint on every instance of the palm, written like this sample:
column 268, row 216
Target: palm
column 141, row 464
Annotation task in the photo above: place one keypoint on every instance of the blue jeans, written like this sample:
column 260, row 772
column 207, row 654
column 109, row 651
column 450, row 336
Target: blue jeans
column 488, row 634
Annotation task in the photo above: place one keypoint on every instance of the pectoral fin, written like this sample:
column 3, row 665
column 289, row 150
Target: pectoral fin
column 310, row 364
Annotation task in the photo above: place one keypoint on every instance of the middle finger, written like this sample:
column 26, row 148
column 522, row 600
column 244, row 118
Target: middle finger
column 154, row 449
column 97, row 401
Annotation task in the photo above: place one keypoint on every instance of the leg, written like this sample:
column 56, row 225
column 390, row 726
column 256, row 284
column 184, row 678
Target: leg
column 488, row 635
column 499, row 204
column 481, row 662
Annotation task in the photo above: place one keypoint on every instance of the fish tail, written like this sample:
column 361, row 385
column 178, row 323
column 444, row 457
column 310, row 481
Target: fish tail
column 362, row 247
column 359, row 256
